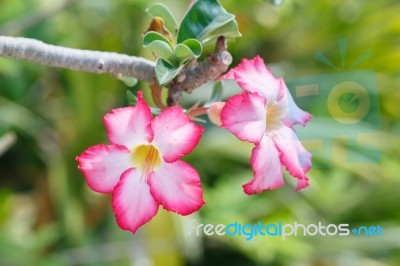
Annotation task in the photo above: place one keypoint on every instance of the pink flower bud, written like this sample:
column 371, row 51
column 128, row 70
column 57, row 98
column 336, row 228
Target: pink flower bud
column 214, row 112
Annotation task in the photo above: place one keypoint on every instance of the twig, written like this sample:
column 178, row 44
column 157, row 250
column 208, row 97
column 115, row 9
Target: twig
column 89, row 61
column 117, row 64
column 212, row 67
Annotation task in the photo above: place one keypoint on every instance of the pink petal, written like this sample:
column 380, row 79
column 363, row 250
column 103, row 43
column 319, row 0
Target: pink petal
column 130, row 126
column 175, row 134
column 176, row 186
column 292, row 154
column 253, row 76
column 132, row 201
column 295, row 114
column 244, row 115
column 102, row 166
column 267, row 168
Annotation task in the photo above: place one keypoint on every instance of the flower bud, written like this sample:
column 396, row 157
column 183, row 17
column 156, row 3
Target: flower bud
column 214, row 112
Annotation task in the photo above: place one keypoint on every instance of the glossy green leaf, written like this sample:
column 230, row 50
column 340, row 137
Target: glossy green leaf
column 194, row 45
column 203, row 18
column 229, row 31
column 166, row 72
column 159, row 45
column 160, row 10
column 184, row 53
column 152, row 36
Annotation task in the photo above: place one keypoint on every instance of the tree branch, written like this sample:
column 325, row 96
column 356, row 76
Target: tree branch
column 212, row 67
column 89, row 61
column 117, row 64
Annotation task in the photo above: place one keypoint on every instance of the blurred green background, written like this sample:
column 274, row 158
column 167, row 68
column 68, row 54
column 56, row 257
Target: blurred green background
column 48, row 216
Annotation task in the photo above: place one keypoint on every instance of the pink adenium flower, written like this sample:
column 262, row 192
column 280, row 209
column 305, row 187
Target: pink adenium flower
column 142, row 167
column 264, row 114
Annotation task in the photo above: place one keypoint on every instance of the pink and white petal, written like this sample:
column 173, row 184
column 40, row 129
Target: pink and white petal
column 253, row 76
column 103, row 165
column 302, row 183
column 130, row 126
column 295, row 115
column 176, row 186
column 244, row 115
column 175, row 134
column 293, row 156
column 267, row 168
column 132, row 202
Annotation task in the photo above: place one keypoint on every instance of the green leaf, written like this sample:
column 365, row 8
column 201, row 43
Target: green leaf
column 160, row 10
column 152, row 36
column 129, row 81
column 132, row 99
column 185, row 53
column 159, row 45
column 229, row 31
column 203, row 18
column 216, row 94
column 166, row 72
column 194, row 45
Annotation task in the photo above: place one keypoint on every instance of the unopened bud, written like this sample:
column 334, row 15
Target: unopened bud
column 214, row 112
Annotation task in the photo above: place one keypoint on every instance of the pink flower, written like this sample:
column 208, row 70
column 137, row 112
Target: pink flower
column 264, row 114
column 142, row 167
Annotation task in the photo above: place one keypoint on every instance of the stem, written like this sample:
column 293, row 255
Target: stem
column 212, row 67
column 89, row 61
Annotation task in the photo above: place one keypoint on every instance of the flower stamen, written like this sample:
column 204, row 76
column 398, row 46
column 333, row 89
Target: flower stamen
column 146, row 158
column 274, row 115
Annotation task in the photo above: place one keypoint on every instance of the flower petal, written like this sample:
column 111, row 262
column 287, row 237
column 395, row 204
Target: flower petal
column 253, row 76
column 130, row 126
column 245, row 116
column 132, row 201
column 295, row 114
column 267, row 168
column 293, row 156
column 102, row 166
column 176, row 186
column 175, row 134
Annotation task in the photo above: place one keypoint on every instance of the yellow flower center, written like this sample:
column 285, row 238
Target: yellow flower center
column 146, row 158
column 274, row 114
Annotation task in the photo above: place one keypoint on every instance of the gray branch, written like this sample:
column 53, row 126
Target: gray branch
column 117, row 64
column 84, row 60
